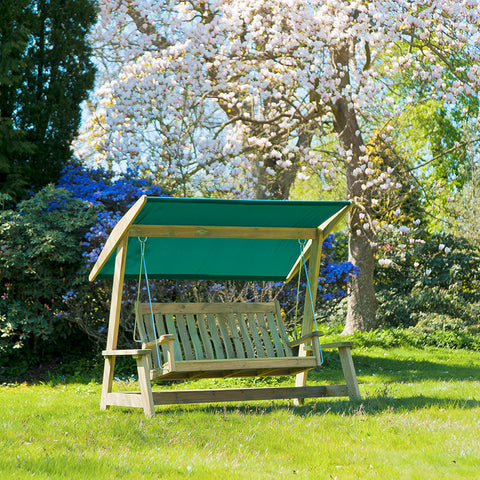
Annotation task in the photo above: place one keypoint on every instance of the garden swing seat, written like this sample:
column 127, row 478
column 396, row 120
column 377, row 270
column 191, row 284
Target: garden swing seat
column 182, row 341
column 217, row 340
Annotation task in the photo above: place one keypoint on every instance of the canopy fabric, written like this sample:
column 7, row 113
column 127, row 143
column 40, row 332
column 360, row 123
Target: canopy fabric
column 195, row 257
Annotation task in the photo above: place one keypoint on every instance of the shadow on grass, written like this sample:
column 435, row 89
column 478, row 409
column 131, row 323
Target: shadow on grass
column 368, row 406
column 396, row 370
column 384, row 369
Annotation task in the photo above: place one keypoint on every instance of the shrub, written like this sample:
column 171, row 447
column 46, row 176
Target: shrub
column 40, row 260
column 429, row 277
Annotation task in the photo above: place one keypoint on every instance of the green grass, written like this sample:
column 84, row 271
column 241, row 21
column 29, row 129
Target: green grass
column 419, row 419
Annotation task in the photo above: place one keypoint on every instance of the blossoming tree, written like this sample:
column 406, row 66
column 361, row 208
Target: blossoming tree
column 239, row 96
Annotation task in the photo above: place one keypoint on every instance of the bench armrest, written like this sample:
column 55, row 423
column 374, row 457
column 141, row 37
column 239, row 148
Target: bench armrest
column 167, row 340
column 326, row 346
column 305, row 338
column 164, row 339
column 132, row 351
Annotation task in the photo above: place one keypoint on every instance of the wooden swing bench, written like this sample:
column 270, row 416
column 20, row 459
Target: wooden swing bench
column 219, row 239
column 221, row 340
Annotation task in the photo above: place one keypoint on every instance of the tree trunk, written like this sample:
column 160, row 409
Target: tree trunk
column 277, row 187
column 361, row 300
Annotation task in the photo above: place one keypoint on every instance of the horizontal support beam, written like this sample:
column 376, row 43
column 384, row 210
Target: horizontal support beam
column 125, row 399
column 171, row 397
column 216, row 308
column 199, row 231
column 246, row 394
column 231, row 364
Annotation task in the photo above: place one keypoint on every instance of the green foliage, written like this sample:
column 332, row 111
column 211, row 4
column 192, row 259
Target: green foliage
column 45, row 73
column 427, row 277
column 419, row 337
column 40, row 260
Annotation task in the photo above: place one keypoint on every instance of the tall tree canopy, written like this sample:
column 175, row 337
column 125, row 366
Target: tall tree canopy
column 243, row 96
column 45, row 73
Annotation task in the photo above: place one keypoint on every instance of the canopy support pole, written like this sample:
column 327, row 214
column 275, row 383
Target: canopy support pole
column 310, row 298
column 114, row 319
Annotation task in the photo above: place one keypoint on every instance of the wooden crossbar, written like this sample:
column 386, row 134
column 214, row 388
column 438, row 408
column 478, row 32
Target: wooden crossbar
column 171, row 397
column 174, row 308
column 206, row 231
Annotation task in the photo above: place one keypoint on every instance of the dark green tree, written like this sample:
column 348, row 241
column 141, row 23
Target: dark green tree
column 45, row 74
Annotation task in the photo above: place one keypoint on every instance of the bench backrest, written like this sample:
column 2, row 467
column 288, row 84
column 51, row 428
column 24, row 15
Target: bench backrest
column 207, row 331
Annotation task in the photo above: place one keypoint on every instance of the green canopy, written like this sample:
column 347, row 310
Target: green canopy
column 189, row 238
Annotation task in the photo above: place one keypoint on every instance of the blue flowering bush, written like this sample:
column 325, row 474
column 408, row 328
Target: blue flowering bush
column 47, row 247
column 113, row 195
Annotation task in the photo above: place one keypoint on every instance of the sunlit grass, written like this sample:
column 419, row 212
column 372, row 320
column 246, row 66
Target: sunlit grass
column 419, row 418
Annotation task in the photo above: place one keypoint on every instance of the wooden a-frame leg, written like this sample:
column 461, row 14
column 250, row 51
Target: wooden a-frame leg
column 349, row 373
column 301, row 378
column 107, row 381
column 145, row 385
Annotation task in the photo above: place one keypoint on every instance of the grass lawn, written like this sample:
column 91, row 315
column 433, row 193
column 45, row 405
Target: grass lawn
column 419, row 419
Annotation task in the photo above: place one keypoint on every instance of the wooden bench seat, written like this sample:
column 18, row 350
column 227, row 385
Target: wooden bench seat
column 211, row 340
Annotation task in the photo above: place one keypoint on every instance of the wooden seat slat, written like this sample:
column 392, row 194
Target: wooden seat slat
column 234, row 333
column 249, row 350
column 217, row 343
column 192, row 331
column 140, row 324
column 222, row 325
column 245, row 364
column 149, row 327
column 252, row 321
column 207, row 344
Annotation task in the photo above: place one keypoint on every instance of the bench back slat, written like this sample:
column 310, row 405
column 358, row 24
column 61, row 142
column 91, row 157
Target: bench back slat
column 272, row 326
column 205, row 337
column 184, row 337
column 225, row 335
column 161, row 330
column 246, row 336
column 265, row 335
column 235, row 336
column 217, row 343
column 282, row 332
column 252, row 321
column 205, row 331
column 194, row 336
column 170, row 324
